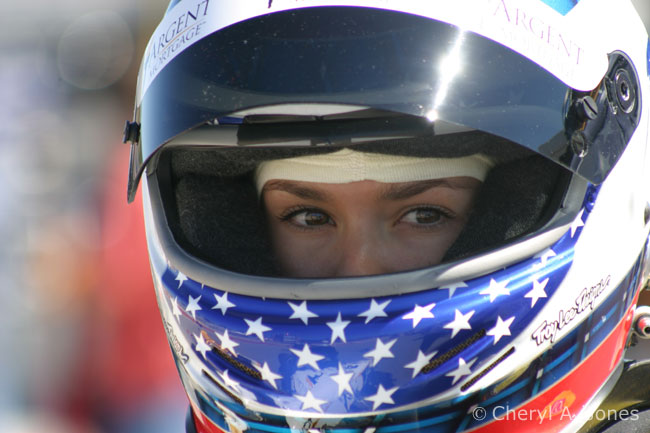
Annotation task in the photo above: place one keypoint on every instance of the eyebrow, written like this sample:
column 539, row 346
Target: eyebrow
column 402, row 191
column 394, row 191
column 297, row 190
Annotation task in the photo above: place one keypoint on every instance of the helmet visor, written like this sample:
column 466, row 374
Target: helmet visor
column 385, row 60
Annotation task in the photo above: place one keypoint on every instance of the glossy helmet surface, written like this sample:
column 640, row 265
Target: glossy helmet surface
column 530, row 311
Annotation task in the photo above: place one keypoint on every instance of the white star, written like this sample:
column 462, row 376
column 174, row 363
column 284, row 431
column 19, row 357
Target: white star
column 375, row 310
column 193, row 305
column 382, row 396
column 201, row 345
column 305, row 357
column 175, row 310
column 544, row 256
column 223, row 303
column 380, row 351
column 226, row 342
column 577, row 223
column 228, row 381
column 495, row 289
column 301, row 312
column 461, row 321
column 452, row 287
column 338, row 329
column 501, row 329
column 181, row 278
column 420, row 362
column 463, row 370
column 537, row 292
column 343, row 380
column 420, row 313
column 267, row 374
column 311, row 402
column 256, row 327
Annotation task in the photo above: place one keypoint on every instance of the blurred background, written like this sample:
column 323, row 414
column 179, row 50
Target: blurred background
column 82, row 348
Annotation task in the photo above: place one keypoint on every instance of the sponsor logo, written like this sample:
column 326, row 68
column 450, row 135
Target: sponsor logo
column 187, row 26
column 536, row 32
column 558, row 406
column 586, row 300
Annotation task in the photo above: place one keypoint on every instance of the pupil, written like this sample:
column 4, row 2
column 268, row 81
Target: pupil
column 315, row 218
column 427, row 216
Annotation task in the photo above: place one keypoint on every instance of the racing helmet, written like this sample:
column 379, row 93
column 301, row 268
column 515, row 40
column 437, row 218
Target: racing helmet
column 522, row 324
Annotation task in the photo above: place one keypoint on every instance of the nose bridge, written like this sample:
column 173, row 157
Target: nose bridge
column 362, row 251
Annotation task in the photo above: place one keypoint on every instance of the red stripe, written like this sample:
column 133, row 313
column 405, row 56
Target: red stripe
column 556, row 407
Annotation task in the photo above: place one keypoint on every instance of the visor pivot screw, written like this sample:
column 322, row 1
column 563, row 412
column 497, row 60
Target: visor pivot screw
column 131, row 132
column 586, row 108
column 579, row 144
column 625, row 93
column 641, row 321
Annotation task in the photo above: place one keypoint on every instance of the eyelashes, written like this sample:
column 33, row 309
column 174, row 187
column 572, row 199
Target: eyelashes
column 426, row 216
column 306, row 217
column 421, row 217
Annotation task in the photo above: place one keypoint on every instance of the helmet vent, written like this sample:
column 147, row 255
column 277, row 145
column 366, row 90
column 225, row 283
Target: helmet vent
column 237, row 364
column 435, row 363
column 229, row 359
column 485, row 371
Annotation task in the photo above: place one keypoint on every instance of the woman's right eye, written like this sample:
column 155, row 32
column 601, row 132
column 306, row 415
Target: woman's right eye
column 308, row 218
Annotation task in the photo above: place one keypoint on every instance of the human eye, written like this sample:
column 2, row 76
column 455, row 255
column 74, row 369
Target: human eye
column 426, row 216
column 307, row 217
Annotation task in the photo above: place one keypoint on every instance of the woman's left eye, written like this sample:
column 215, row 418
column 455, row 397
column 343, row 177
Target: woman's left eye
column 424, row 216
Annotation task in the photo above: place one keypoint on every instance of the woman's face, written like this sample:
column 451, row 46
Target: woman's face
column 321, row 230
